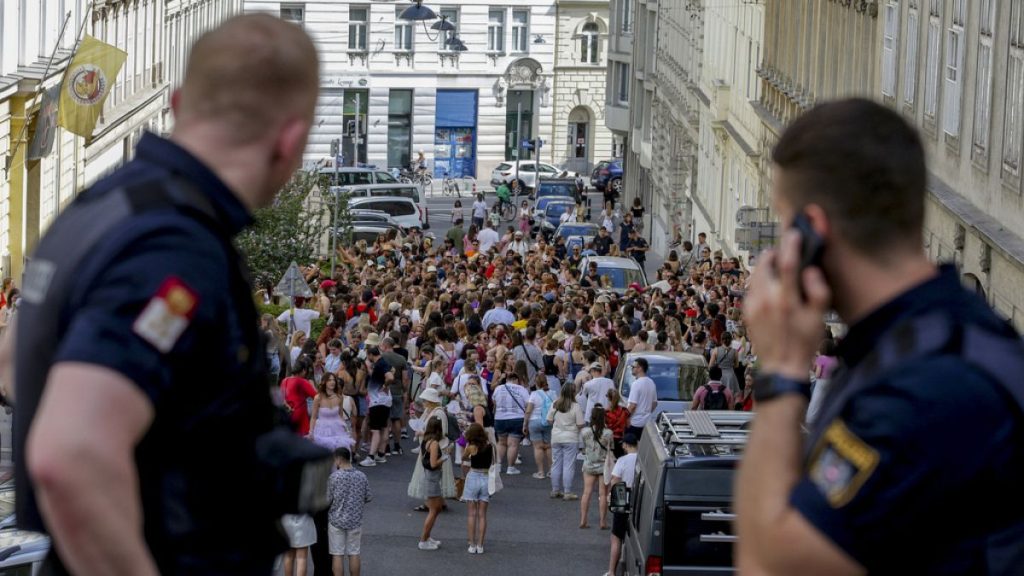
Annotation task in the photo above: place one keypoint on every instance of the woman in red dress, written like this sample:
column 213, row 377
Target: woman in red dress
column 297, row 390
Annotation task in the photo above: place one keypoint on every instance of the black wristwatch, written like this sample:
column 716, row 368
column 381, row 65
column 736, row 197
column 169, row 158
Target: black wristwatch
column 768, row 386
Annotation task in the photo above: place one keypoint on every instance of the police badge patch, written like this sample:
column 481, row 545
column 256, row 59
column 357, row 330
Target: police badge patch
column 841, row 464
column 167, row 315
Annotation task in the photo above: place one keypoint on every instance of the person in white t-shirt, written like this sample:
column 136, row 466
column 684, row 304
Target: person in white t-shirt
column 510, row 400
column 643, row 398
column 623, row 471
column 488, row 237
column 595, row 390
column 303, row 320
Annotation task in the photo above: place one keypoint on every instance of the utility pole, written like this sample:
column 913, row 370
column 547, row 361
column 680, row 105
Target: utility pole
column 518, row 142
column 335, row 149
column 355, row 137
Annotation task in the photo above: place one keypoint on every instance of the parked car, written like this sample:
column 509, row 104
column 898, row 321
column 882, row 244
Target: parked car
column 349, row 176
column 369, row 232
column 577, row 233
column 680, row 505
column 412, row 191
column 621, row 272
column 554, row 189
column 528, row 172
column 607, row 173
column 403, row 210
column 552, row 217
column 677, row 376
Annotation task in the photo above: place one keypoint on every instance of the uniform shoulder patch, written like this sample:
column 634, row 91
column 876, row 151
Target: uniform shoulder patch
column 167, row 314
column 841, row 464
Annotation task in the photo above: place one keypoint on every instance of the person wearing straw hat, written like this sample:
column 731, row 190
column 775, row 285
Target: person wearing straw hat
column 431, row 400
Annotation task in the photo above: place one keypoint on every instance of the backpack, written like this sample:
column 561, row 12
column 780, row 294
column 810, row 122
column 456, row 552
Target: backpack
column 453, row 427
column 715, row 399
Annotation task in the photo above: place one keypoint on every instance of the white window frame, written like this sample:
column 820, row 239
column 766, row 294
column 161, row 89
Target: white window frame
column 590, row 43
column 520, row 31
column 405, row 33
column 291, row 7
column 890, row 48
column 496, row 30
column 453, row 18
column 933, row 59
column 913, row 41
column 626, row 16
column 983, row 87
column 623, row 81
column 358, row 29
column 1013, row 123
column 953, row 79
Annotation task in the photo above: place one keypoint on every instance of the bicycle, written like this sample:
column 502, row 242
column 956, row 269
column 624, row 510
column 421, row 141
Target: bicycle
column 506, row 210
column 450, row 187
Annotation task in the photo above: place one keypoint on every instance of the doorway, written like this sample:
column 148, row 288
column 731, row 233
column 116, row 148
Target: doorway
column 578, row 145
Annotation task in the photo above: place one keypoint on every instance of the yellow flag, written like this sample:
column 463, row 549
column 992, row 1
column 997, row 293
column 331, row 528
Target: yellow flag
column 87, row 82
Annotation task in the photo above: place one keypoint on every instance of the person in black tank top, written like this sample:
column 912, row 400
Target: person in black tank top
column 476, row 462
column 432, row 461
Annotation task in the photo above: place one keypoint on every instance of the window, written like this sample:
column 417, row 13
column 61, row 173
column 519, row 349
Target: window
column 910, row 70
column 520, row 30
column 931, row 88
column 889, row 47
column 399, row 128
column 1013, row 126
column 956, row 47
column 588, row 44
column 622, row 83
column 496, row 30
column 983, row 90
column 403, row 33
column 357, row 28
column 294, row 13
column 452, row 16
column 626, row 16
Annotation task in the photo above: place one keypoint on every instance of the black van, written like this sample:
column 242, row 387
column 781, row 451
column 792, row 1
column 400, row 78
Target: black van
column 680, row 504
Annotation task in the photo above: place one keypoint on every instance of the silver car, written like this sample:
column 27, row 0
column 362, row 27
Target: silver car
column 677, row 375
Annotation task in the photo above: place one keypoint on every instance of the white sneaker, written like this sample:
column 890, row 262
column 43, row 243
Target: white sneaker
column 415, row 450
column 525, row 442
column 539, row 475
column 471, row 549
column 368, row 462
column 436, row 542
column 380, row 459
column 479, row 549
column 427, row 545
column 518, row 460
column 512, row 471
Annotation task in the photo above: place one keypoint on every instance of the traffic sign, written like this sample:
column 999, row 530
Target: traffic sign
column 293, row 284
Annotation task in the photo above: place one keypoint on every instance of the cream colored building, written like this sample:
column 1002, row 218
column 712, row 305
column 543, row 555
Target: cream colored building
column 154, row 33
column 956, row 70
column 731, row 143
column 581, row 137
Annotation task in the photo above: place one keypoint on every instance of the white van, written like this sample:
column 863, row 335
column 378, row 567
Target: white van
column 410, row 191
column 403, row 210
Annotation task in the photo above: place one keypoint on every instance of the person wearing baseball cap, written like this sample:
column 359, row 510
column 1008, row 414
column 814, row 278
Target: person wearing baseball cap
column 595, row 390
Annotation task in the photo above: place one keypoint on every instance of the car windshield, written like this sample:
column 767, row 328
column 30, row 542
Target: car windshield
column 556, row 209
column 549, row 189
column 352, row 178
column 619, row 277
column 675, row 380
column 392, row 207
column 579, row 230
column 503, row 167
column 385, row 178
column 410, row 192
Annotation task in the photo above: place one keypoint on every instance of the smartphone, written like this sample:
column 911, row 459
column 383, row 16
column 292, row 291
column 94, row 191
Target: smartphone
column 812, row 246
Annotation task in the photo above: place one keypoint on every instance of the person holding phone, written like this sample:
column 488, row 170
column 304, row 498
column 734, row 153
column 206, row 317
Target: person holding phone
column 926, row 410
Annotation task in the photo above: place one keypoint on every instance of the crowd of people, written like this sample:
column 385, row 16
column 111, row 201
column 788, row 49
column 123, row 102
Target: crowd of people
column 482, row 345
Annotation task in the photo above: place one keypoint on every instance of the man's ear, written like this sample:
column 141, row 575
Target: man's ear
column 291, row 141
column 819, row 220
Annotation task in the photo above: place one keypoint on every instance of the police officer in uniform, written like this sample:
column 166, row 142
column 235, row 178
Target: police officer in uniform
column 139, row 374
column 916, row 463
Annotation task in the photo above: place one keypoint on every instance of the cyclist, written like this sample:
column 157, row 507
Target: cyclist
column 504, row 196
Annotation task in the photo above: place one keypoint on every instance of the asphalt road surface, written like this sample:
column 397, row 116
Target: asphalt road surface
column 527, row 532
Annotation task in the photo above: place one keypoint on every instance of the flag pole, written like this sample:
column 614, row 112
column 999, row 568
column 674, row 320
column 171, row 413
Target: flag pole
column 46, row 72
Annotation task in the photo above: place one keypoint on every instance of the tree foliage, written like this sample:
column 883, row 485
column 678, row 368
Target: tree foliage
column 291, row 229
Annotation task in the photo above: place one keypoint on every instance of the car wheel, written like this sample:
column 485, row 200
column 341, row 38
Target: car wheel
column 616, row 185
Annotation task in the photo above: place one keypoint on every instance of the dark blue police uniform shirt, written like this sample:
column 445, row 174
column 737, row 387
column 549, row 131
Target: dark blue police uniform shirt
column 924, row 464
column 127, row 270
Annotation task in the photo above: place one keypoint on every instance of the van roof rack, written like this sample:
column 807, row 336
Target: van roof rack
column 704, row 433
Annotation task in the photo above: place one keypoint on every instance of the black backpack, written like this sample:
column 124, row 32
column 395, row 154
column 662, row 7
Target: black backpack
column 715, row 399
column 453, row 427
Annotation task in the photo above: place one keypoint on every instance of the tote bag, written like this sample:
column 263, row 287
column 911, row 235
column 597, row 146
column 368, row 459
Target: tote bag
column 494, row 484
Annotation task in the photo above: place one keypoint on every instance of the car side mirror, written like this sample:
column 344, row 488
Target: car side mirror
column 619, row 502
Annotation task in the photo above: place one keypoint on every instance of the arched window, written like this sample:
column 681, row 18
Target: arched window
column 589, row 43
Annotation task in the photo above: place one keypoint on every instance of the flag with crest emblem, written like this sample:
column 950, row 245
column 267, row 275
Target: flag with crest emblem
column 87, row 82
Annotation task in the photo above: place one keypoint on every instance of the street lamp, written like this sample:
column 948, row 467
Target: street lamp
column 417, row 12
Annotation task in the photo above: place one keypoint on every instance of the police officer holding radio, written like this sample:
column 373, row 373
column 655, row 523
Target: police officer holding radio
column 916, row 462
column 145, row 438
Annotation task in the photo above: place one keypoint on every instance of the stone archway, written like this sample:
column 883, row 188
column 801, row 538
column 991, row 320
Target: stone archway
column 973, row 283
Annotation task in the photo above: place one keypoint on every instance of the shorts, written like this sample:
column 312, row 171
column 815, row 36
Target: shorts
column 432, row 483
column 475, row 489
column 344, row 542
column 539, row 432
column 362, row 405
column 637, row 431
column 300, row 529
column 379, row 417
column 397, row 407
column 513, row 428
column 620, row 523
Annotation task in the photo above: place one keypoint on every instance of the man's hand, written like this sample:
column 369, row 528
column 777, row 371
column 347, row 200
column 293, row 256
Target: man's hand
column 786, row 329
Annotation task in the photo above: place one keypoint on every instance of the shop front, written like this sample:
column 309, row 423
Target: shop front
column 455, row 133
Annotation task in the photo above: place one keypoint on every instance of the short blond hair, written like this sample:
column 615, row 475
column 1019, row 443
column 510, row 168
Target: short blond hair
column 248, row 74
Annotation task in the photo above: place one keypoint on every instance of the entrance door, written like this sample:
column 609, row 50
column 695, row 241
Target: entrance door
column 578, row 147
column 519, row 106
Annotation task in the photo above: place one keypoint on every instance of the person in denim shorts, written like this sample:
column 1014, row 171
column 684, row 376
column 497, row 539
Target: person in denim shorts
column 477, row 458
column 537, row 426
